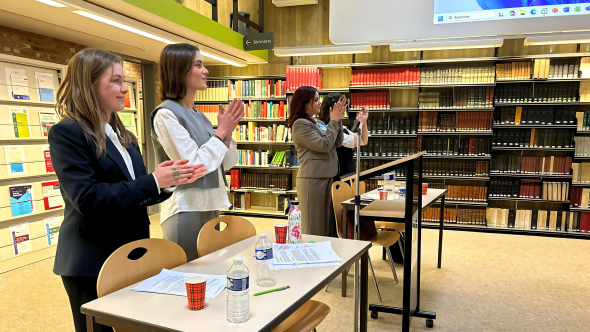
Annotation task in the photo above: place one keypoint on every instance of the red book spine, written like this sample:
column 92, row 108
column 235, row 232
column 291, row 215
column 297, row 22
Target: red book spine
column 584, row 222
column 521, row 191
column 538, row 190
column 470, row 146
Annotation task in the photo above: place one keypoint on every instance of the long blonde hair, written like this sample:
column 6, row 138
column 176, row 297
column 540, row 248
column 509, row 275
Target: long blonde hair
column 77, row 100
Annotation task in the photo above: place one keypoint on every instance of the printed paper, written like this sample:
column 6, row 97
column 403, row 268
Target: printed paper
column 47, row 157
column 15, row 160
column 10, row 85
column 22, row 200
column 47, row 118
column 51, row 195
column 20, row 121
column 172, row 282
column 46, row 88
column 52, row 226
column 21, row 238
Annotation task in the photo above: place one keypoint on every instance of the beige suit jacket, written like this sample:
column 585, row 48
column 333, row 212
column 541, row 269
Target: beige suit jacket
column 317, row 150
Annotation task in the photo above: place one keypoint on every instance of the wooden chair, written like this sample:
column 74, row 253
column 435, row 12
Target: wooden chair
column 123, row 269
column 362, row 187
column 210, row 239
column 306, row 318
column 341, row 191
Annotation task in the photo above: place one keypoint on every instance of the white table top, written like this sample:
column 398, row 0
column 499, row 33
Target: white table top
column 432, row 195
column 170, row 313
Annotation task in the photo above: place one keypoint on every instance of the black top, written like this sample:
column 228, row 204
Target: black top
column 345, row 158
column 104, row 207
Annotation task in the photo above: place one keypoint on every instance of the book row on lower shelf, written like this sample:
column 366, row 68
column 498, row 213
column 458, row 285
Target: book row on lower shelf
column 25, row 237
column 537, row 93
column 582, row 145
column 465, row 193
column 463, row 97
column 454, row 146
column 455, row 216
column 516, row 164
column 242, row 201
column 257, row 89
column 581, row 173
column 388, row 147
column 565, row 221
column 370, row 100
column 434, row 121
column 259, row 181
column 580, row 197
column 536, row 115
column 509, row 187
column 404, row 125
column 534, row 138
column 371, row 163
column 264, row 158
column 264, row 134
column 463, row 168
column 26, row 122
column 380, row 77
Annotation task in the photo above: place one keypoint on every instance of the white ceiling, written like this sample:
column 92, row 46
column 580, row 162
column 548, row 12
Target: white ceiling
column 36, row 17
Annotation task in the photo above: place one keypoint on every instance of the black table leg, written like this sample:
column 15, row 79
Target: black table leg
column 440, row 231
column 91, row 325
column 364, row 290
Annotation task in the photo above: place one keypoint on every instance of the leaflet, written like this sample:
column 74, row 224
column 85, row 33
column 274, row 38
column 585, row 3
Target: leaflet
column 47, row 118
column 21, row 238
column 46, row 88
column 52, row 226
column 16, row 82
column 172, row 283
column 22, row 200
column 15, row 160
column 51, row 195
column 304, row 253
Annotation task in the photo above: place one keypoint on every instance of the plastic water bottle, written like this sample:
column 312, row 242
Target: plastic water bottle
column 238, row 300
column 294, row 224
column 389, row 184
column 265, row 266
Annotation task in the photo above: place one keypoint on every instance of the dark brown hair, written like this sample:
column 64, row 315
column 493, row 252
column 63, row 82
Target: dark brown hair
column 77, row 98
column 302, row 96
column 175, row 62
column 328, row 102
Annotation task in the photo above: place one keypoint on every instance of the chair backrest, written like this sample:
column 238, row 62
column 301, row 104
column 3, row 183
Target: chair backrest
column 211, row 240
column 362, row 187
column 341, row 191
column 123, row 269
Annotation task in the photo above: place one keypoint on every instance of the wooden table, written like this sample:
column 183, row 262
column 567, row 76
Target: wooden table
column 393, row 211
column 139, row 311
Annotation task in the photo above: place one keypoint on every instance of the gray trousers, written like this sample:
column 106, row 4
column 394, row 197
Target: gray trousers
column 183, row 229
column 314, row 196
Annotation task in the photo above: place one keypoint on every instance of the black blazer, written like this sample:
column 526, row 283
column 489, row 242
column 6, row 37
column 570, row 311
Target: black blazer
column 104, row 207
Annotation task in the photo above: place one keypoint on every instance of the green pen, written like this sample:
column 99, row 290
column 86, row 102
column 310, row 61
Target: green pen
column 272, row 290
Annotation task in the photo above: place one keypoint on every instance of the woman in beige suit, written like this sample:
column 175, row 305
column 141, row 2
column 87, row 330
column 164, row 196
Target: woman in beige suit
column 316, row 148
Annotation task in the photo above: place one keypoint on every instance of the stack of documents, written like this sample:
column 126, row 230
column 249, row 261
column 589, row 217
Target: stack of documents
column 294, row 256
column 172, row 282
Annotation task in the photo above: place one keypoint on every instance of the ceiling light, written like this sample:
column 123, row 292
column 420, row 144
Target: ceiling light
column 445, row 45
column 52, row 3
column 122, row 26
column 557, row 39
column 322, row 50
column 230, row 62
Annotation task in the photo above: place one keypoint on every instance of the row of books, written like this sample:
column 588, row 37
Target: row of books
column 513, row 71
column 580, row 197
column 538, row 92
column 216, row 91
column 533, row 137
column 370, row 100
column 306, row 76
column 263, row 158
column 457, row 75
column 446, row 167
column 541, row 68
column 562, row 69
column 581, row 173
column 538, row 219
column 241, row 201
column 257, row 89
column 372, row 184
column 266, row 110
column 517, row 164
column 211, row 112
column 582, row 144
column 389, row 147
column 392, row 125
column 371, row 163
column 463, row 97
column 536, row 115
column 466, row 193
column 511, row 187
column 455, row 216
column 259, row 181
column 268, row 134
column 442, row 146
column 585, row 91
column 461, row 121
column 380, row 77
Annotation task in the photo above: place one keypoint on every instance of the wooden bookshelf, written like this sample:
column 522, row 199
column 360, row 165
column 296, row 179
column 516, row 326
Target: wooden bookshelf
column 466, row 178
column 521, row 199
column 429, row 156
column 530, row 149
column 455, row 133
column 519, row 175
column 257, row 210
column 266, row 143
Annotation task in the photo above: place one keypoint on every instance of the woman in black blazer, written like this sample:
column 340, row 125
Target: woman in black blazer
column 103, row 181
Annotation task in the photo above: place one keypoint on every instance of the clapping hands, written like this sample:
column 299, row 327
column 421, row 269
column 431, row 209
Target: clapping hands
column 338, row 110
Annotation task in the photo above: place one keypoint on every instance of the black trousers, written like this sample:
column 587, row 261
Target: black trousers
column 80, row 291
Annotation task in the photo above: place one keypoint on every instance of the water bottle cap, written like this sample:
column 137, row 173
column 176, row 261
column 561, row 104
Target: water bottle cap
column 262, row 235
column 238, row 260
column 294, row 203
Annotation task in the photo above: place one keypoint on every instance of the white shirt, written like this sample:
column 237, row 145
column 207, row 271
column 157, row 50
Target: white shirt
column 348, row 139
column 178, row 144
column 124, row 153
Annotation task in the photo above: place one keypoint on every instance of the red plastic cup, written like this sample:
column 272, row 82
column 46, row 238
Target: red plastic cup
column 424, row 188
column 195, row 292
column 383, row 195
column 281, row 231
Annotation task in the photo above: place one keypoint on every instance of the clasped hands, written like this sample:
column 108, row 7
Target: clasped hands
column 338, row 110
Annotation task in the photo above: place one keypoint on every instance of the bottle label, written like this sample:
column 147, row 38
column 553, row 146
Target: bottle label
column 264, row 254
column 238, row 284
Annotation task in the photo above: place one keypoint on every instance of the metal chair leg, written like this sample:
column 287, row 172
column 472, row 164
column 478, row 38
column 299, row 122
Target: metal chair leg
column 392, row 266
column 401, row 249
column 374, row 278
column 384, row 255
column 326, row 289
